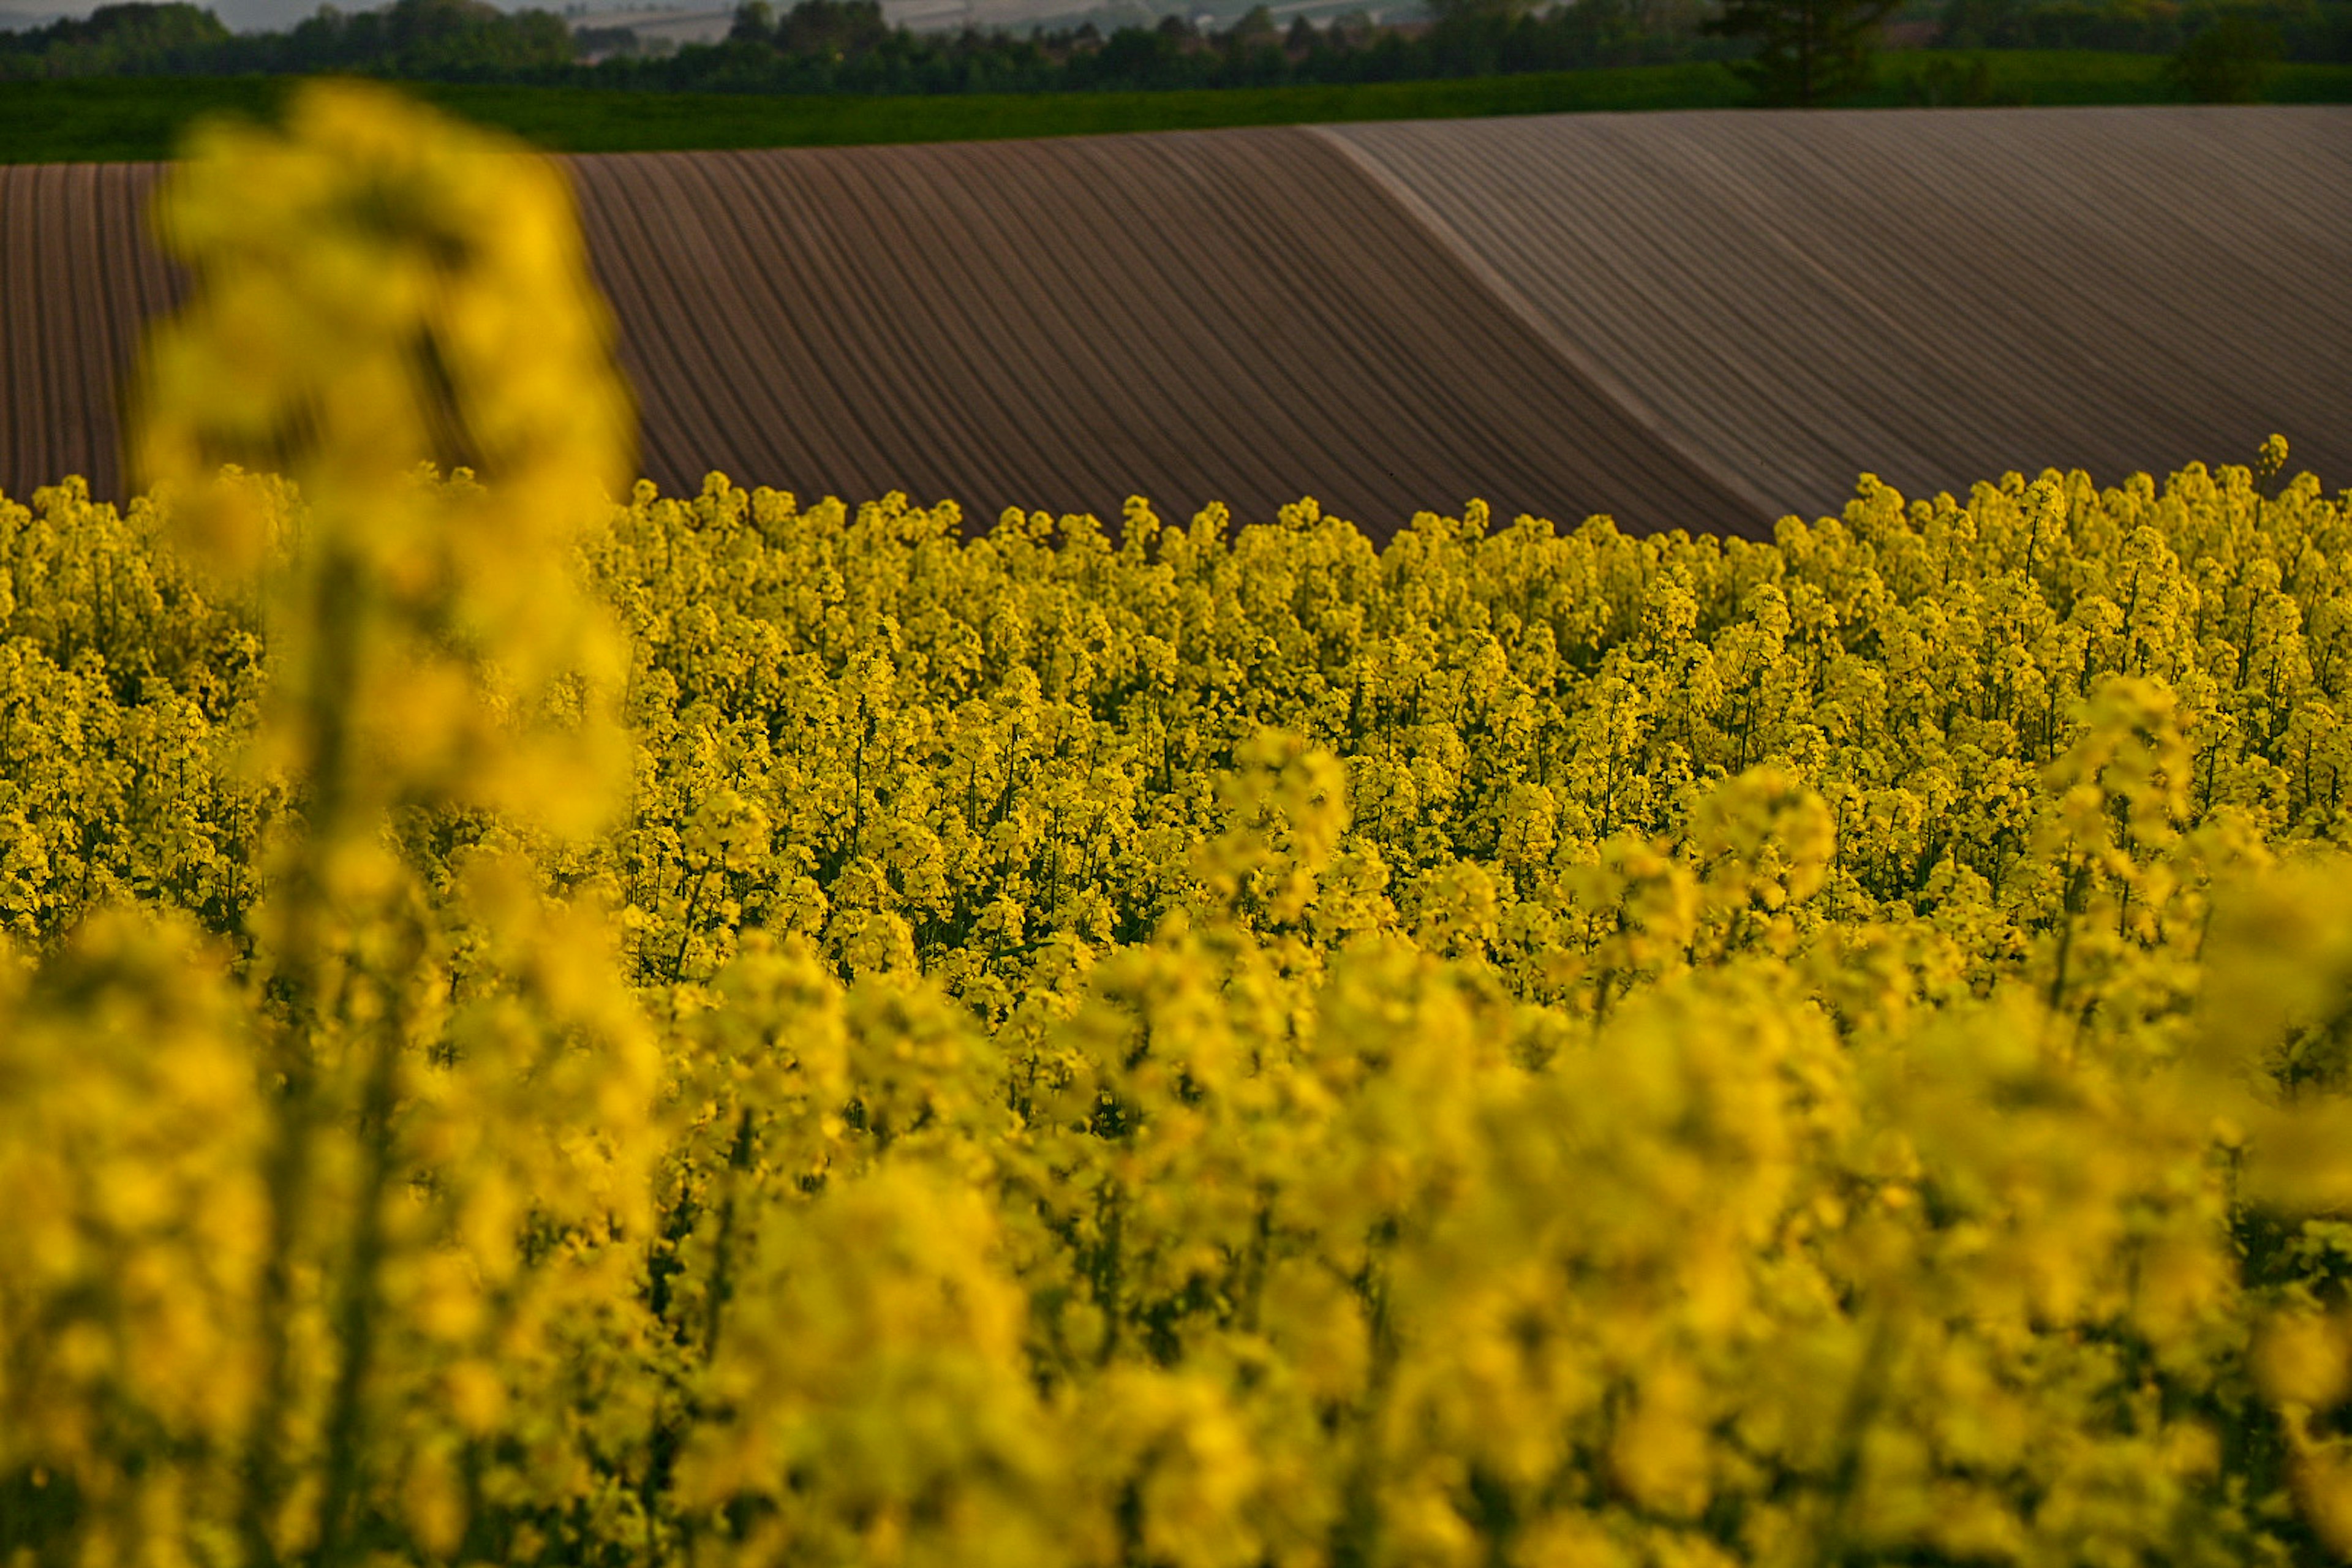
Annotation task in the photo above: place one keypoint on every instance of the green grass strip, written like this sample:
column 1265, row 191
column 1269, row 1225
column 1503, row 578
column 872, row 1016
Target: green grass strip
column 116, row 119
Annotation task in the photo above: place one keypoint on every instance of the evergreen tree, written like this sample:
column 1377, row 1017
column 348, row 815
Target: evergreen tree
column 1807, row 51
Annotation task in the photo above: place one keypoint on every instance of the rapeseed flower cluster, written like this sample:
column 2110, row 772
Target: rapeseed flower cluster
column 705, row 1029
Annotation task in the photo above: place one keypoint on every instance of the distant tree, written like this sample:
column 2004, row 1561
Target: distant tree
column 1140, row 57
column 1252, row 29
column 2227, row 62
column 755, row 23
column 1471, row 38
column 831, row 29
column 1807, row 51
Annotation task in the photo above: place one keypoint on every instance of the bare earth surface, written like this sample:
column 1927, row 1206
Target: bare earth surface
column 1932, row 296
column 1232, row 315
column 77, row 280
column 1684, row 319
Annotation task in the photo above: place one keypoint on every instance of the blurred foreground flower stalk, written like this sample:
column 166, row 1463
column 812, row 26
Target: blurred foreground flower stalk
column 301, row 1203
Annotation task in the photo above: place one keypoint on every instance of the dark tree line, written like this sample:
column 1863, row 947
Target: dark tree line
column 1792, row 51
column 2293, row 29
column 845, row 46
column 457, row 40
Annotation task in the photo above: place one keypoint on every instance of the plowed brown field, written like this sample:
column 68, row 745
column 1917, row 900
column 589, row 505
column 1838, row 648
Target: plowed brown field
column 1686, row 319
column 77, row 280
column 1935, row 296
column 1221, row 315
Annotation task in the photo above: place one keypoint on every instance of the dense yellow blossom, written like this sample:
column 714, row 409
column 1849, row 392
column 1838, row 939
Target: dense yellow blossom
column 1185, row 1046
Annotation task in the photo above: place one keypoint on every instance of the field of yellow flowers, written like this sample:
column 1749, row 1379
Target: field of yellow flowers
column 717, row 1031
